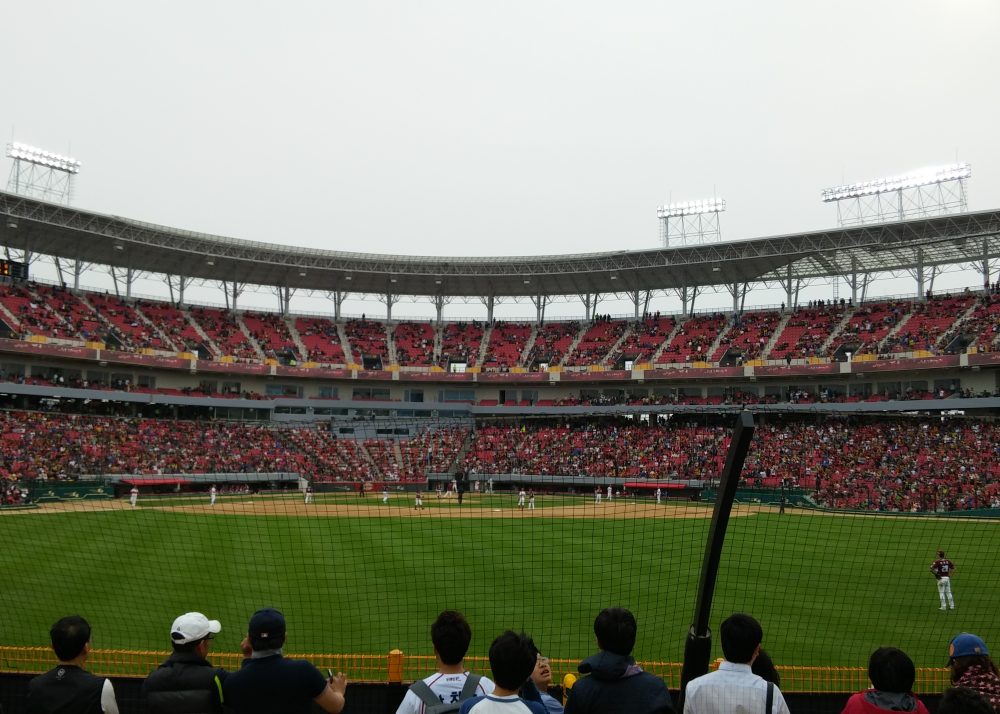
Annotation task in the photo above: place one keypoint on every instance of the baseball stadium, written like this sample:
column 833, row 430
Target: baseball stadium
column 804, row 463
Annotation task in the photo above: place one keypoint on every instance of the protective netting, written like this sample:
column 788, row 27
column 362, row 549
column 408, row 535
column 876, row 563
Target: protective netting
column 836, row 524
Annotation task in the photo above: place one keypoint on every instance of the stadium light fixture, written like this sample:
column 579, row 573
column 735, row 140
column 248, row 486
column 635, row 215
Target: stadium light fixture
column 692, row 208
column 209, row 262
column 40, row 157
column 913, row 179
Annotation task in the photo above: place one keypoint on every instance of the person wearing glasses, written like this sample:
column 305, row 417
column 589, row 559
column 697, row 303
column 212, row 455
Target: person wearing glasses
column 187, row 683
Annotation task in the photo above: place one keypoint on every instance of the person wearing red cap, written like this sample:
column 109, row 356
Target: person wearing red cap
column 971, row 666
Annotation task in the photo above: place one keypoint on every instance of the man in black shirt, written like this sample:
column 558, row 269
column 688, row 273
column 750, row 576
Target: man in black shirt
column 68, row 688
column 267, row 683
column 186, row 683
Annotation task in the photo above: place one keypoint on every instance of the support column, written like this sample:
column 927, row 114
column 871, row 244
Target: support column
column 985, row 265
column 585, row 299
column 540, row 302
column 129, row 279
column 237, row 291
column 921, row 292
column 77, row 270
column 854, row 280
column 338, row 297
column 439, row 308
column 284, row 299
column 389, row 299
column 489, row 301
column 789, row 295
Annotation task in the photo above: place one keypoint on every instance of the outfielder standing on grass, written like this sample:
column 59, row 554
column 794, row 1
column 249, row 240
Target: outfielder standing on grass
column 133, row 496
column 942, row 569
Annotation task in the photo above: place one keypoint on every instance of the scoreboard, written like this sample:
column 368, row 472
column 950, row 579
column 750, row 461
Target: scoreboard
column 13, row 270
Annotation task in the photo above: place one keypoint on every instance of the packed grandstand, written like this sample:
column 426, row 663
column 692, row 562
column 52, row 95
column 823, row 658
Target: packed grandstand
column 101, row 384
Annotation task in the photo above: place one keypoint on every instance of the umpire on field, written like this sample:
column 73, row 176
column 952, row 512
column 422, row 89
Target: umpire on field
column 186, row 683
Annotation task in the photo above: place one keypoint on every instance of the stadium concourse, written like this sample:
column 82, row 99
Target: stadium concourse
column 896, row 464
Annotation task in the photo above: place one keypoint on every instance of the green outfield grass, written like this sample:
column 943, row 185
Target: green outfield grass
column 828, row 588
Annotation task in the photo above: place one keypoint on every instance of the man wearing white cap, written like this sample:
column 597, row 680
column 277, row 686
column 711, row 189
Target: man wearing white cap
column 186, row 683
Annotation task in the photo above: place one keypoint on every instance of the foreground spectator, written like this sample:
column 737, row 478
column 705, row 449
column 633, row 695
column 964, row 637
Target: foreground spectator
column 971, row 666
column 452, row 683
column 892, row 675
column 186, row 683
column 962, row 700
column 512, row 659
column 68, row 688
column 541, row 677
column 734, row 687
column 763, row 667
column 267, row 683
column 615, row 682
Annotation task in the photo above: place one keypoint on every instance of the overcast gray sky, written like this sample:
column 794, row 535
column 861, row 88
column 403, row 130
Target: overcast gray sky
column 477, row 128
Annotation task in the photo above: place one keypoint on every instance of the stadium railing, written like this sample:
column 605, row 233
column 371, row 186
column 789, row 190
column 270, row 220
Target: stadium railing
column 396, row 667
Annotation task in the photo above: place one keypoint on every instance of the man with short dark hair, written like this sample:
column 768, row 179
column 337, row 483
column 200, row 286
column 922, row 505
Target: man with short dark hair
column 734, row 686
column 68, row 688
column 512, row 659
column 452, row 683
column 186, row 683
column 615, row 682
column 267, row 683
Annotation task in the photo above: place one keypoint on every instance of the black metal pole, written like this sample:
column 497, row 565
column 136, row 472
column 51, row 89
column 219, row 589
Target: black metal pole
column 698, row 648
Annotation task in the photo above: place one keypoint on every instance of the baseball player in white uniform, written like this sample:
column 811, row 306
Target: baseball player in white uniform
column 520, row 499
column 609, row 493
column 385, row 495
column 212, row 493
column 309, row 494
column 597, row 495
column 133, row 496
column 659, row 495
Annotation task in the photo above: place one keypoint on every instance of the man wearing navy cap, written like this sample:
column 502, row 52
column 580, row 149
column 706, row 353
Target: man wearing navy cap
column 267, row 683
column 186, row 683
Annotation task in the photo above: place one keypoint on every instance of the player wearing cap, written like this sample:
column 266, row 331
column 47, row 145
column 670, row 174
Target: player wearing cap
column 212, row 494
column 971, row 666
column 68, row 688
column 942, row 569
column 133, row 496
column 267, row 683
column 187, row 683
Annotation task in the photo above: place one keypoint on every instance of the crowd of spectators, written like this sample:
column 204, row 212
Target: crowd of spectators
column 57, row 446
column 890, row 464
column 816, row 329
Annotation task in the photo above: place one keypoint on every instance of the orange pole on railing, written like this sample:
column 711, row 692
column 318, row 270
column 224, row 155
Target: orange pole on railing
column 396, row 665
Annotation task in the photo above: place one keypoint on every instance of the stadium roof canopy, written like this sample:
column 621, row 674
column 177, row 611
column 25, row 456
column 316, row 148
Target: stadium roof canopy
column 39, row 227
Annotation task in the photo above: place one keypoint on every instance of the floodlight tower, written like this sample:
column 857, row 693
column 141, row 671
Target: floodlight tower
column 41, row 174
column 932, row 191
column 691, row 222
